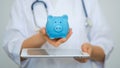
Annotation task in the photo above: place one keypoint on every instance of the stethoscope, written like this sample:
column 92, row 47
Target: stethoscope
column 88, row 23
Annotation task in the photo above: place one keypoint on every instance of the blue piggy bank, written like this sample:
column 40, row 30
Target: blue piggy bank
column 57, row 26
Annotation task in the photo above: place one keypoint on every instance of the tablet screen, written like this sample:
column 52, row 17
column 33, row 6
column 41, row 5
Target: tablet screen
column 37, row 52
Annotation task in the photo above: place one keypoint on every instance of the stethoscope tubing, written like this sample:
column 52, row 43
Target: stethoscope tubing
column 88, row 20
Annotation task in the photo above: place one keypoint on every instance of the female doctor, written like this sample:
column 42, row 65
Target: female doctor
column 20, row 33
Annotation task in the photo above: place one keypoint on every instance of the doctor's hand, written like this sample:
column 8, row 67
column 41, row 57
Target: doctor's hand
column 86, row 47
column 55, row 42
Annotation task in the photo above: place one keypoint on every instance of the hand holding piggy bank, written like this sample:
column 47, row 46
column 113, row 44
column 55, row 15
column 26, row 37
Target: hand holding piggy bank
column 57, row 26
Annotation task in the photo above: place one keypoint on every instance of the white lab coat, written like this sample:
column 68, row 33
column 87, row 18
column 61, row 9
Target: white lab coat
column 22, row 26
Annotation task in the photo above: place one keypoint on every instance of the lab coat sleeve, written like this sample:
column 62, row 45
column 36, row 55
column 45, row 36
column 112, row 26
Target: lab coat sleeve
column 15, row 32
column 100, row 34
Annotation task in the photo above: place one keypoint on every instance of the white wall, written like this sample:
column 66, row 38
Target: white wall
column 5, row 5
column 5, row 62
column 111, row 10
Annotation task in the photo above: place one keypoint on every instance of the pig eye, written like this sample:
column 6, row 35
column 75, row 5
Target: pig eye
column 60, row 22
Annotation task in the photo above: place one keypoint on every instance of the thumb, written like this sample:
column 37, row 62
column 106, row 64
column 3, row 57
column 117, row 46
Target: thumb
column 84, row 48
column 43, row 31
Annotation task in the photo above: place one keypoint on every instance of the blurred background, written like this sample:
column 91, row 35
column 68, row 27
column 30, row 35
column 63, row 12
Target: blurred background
column 110, row 9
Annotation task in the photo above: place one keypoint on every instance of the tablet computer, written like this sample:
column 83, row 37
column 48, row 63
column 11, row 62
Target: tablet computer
column 38, row 52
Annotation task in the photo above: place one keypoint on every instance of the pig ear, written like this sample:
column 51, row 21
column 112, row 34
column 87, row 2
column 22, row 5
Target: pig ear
column 65, row 17
column 50, row 17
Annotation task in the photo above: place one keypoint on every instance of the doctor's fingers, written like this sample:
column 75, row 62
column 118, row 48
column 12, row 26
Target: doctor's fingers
column 43, row 31
column 81, row 60
column 87, row 47
column 62, row 40
column 54, row 42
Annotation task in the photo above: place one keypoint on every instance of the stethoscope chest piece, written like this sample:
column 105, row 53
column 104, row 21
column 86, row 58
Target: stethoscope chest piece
column 88, row 22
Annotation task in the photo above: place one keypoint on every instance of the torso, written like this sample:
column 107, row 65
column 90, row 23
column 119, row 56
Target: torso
column 76, row 21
